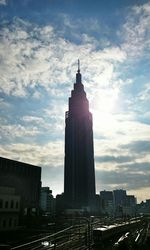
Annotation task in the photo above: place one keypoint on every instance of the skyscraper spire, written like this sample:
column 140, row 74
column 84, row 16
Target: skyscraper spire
column 78, row 75
column 78, row 66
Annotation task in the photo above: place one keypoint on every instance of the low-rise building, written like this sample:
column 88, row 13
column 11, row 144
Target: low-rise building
column 144, row 207
column 9, row 209
column 25, row 179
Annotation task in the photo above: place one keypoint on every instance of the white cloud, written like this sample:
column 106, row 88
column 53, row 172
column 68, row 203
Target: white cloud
column 119, row 129
column 136, row 31
column 144, row 95
column 4, row 104
column 3, row 2
column 37, row 95
column 11, row 132
column 50, row 154
column 72, row 26
column 33, row 119
column 37, row 55
column 51, row 122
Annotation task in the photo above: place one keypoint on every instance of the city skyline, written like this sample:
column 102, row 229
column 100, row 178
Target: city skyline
column 40, row 44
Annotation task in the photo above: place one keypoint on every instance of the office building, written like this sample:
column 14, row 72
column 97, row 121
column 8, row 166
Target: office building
column 107, row 201
column 9, row 209
column 25, row 179
column 79, row 176
column 47, row 201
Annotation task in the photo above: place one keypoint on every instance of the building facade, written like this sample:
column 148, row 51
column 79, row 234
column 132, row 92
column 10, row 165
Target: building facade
column 79, row 173
column 9, row 209
column 129, row 206
column 47, row 201
column 117, row 203
column 144, row 208
column 107, row 200
column 25, row 179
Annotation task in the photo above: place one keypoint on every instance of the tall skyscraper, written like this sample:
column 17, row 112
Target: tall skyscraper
column 79, row 176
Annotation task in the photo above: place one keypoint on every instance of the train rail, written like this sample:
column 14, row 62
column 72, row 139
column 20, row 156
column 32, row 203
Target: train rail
column 73, row 237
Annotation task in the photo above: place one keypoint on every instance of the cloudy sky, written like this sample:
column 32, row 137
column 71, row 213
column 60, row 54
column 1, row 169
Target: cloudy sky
column 40, row 42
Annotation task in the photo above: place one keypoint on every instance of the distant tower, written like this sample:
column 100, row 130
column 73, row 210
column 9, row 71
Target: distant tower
column 79, row 176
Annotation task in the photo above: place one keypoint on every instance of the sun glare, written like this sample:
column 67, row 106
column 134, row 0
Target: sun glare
column 105, row 105
column 106, row 101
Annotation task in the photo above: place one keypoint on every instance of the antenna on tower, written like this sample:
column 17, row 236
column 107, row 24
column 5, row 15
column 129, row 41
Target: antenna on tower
column 78, row 65
column 78, row 75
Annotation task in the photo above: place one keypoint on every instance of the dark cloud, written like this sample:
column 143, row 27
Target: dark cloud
column 135, row 167
column 116, row 159
column 138, row 147
column 131, row 176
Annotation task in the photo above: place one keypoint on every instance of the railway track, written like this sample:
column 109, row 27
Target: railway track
column 74, row 237
column 133, row 236
column 80, row 237
column 134, row 240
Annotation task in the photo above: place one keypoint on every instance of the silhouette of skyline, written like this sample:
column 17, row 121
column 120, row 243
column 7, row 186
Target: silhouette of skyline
column 79, row 170
column 39, row 47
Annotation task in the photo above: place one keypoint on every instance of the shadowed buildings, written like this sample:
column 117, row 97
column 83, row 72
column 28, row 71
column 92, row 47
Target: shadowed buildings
column 107, row 200
column 9, row 209
column 47, row 201
column 79, row 176
column 117, row 203
column 25, row 179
